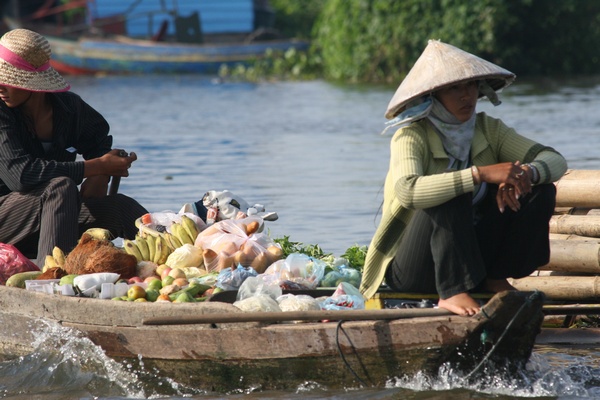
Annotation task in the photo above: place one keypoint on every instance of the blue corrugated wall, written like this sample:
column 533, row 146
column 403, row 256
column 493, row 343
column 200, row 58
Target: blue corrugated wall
column 216, row 16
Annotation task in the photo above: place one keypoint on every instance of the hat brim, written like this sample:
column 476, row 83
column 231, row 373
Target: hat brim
column 48, row 80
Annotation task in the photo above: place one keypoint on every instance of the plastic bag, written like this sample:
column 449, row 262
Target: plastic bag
column 257, row 285
column 230, row 243
column 341, row 274
column 260, row 302
column 345, row 297
column 12, row 261
column 233, row 278
column 300, row 302
column 162, row 221
column 185, row 256
column 297, row 271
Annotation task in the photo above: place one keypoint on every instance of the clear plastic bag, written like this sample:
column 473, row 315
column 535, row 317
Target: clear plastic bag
column 233, row 278
column 341, row 274
column 230, row 243
column 12, row 261
column 345, row 297
column 258, row 285
column 297, row 271
column 300, row 302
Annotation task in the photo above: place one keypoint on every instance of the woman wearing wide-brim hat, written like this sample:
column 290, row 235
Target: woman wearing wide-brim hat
column 43, row 127
column 467, row 200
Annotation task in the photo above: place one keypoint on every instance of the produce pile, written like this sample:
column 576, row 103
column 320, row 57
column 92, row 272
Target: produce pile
column 179, row 258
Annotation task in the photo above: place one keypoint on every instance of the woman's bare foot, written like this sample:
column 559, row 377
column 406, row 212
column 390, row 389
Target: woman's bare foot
column 498, row 285
column 461, row 304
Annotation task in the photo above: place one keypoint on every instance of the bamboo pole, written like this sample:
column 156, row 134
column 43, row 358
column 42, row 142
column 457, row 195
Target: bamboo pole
column 572, row 288
column 579, row 188
column 582, row 225
column 566, row 236
column 574, row 256
column 314, row 315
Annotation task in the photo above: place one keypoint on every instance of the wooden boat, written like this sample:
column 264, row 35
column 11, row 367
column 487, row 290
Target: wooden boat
column 215, row 346
column 115, row 43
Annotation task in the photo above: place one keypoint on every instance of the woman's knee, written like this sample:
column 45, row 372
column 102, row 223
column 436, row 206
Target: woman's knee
column 61, row 186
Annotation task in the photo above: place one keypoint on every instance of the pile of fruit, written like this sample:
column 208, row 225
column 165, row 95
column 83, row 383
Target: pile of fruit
column 181, row 261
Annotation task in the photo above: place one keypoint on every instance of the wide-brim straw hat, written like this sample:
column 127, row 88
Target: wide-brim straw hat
column 442, row 65
column 25, row 63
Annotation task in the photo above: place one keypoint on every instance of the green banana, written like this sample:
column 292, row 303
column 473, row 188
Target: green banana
column 162, row 250
column 179, row 231
column 193, row 289
column 131, row 248
column 151, row 240
column 142, row 244
column 190, row 227
column 50, row 262
column 99, row 233
column 173, row 240
column 59, row 256
column 168, row 237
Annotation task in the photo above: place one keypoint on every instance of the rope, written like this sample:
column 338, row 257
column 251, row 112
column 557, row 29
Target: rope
column 337, row 342
column 506, row 329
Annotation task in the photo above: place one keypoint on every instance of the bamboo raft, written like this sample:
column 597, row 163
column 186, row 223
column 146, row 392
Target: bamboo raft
column 571, row 279
column 573, row 272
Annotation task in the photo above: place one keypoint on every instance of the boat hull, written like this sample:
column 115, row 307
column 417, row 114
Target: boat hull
column 226, row 356
column 88, row 55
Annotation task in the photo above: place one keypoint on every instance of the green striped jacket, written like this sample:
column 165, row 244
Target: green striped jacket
column 418, row 178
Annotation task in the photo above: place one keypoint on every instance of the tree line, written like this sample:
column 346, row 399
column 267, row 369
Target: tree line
column 379, row 40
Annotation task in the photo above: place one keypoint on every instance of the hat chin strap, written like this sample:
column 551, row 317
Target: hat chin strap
column 19, row 62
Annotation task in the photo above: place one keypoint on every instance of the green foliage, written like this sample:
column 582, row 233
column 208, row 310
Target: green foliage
column 296, row 18
column 288, row 247
column 356, row 256
column 289, row 65
column 379, row 40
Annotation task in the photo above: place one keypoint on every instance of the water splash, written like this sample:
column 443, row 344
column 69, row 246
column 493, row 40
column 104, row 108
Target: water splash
column 66, row 364
column 540, row 378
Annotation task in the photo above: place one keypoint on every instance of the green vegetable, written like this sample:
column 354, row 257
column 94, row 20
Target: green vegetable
column 356, row 256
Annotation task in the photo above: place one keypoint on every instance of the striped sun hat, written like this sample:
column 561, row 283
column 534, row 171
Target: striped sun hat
column 25, row 63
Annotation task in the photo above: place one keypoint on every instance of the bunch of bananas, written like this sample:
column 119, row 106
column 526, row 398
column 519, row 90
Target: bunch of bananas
column 54, row 260
column 151, row 245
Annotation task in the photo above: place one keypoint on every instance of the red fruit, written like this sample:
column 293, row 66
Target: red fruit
column 147, row 219
column 135, row 279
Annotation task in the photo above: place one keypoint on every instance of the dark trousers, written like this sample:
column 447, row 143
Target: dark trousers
column 444, row 251
column 54, row 215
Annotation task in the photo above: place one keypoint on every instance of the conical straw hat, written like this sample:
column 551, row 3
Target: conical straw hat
column 441, row 65
column 25, row 63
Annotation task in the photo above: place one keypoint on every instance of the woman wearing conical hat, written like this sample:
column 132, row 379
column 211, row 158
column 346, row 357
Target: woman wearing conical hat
column 467, row 200
column 43, row 127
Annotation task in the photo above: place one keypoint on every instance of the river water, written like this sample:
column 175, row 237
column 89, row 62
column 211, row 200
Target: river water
column 312, row 152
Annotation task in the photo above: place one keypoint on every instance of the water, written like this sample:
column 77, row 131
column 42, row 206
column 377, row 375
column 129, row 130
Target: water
column 312, row 152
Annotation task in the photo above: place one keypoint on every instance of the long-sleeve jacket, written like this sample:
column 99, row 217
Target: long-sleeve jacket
column 417, row 179
column 77, row 129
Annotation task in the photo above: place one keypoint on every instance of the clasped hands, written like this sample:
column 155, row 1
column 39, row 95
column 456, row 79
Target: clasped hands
column 513, row 179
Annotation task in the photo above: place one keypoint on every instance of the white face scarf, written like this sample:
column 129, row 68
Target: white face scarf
column 456, row 136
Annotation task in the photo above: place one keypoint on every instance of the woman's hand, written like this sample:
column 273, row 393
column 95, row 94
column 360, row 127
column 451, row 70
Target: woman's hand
column 513, row 182
column 114, row 163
